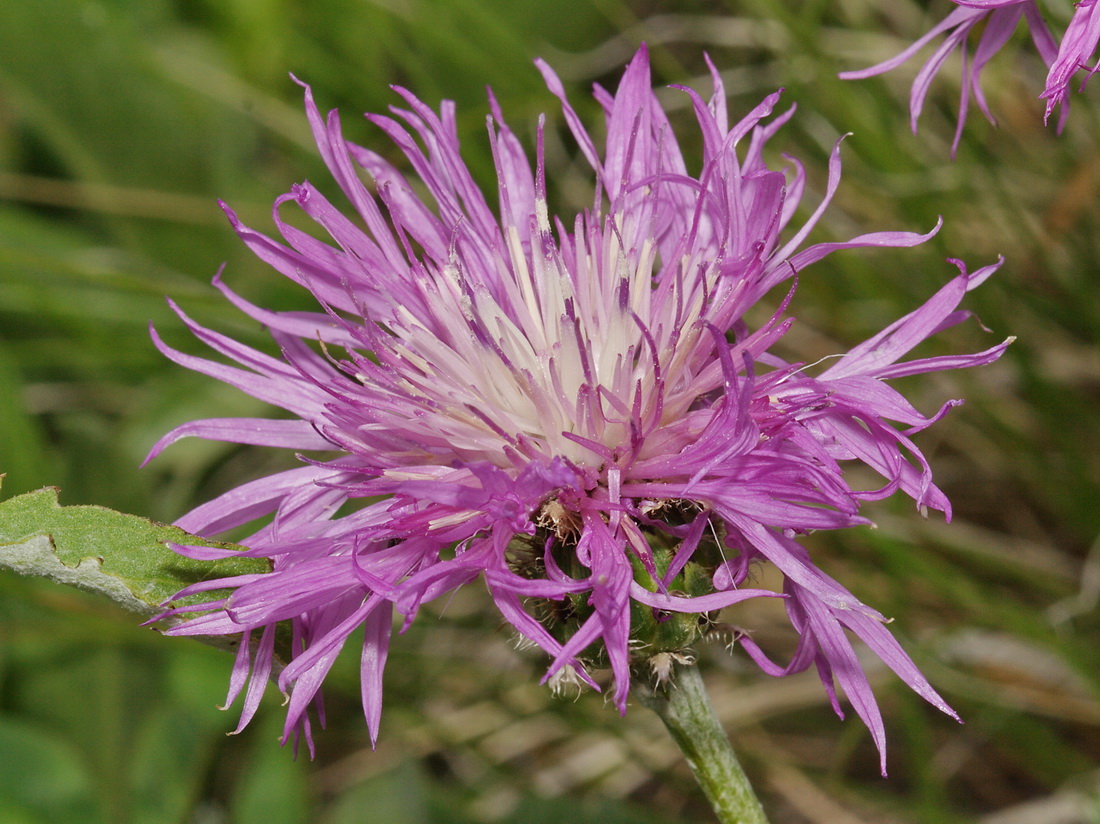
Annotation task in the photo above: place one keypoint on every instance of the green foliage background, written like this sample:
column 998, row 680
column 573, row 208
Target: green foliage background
column 122, row 121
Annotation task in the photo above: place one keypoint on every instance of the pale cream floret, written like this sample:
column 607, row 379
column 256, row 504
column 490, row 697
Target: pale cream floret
column 531, row 383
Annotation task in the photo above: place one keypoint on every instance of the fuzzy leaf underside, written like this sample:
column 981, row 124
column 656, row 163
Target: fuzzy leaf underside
column 124, row 557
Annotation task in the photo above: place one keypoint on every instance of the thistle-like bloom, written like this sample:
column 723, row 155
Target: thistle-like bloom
column 996, row 20
column 574, row 411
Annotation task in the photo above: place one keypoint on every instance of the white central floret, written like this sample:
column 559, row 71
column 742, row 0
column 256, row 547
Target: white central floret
column 550, row 345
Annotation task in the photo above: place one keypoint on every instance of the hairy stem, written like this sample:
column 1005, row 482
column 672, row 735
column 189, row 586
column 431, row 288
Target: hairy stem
column 686, row 711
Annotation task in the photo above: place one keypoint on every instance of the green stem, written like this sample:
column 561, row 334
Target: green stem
column 687, row 713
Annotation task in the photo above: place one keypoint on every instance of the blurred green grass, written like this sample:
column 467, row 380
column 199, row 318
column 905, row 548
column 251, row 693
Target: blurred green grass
column 121, row 122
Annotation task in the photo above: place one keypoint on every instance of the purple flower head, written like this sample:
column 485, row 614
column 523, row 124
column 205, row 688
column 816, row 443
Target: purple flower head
column 573, row 410
column 995, row 21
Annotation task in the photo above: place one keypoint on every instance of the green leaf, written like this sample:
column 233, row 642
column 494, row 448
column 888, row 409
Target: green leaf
column 123, row 557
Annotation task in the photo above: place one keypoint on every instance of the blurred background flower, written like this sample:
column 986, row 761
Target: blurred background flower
column 121, row 122
column 1067, row 51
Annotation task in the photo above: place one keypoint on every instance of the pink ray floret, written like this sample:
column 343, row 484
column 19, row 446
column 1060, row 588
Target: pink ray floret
column 480, row 377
